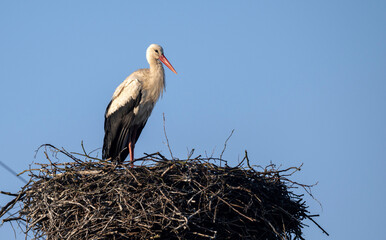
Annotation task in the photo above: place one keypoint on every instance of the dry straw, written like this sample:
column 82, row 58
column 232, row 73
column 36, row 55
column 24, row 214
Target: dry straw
column 88, row 198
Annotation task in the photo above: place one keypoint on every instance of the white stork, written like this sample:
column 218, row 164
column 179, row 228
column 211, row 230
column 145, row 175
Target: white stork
column 132, row 104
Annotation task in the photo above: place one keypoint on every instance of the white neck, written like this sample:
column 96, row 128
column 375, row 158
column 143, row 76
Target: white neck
column 156, row 80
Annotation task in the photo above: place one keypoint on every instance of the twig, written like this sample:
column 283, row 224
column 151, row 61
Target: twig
column 225, row 144
column 324, row 231
column 12, row 172
column 166, row 137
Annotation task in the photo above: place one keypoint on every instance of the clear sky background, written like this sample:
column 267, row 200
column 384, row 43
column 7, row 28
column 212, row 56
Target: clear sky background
column 299, row 81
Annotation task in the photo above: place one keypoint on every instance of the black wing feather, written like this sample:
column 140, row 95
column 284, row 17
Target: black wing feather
column 117, row 129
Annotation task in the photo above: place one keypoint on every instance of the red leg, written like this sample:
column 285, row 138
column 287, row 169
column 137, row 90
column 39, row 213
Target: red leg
column 131, row 152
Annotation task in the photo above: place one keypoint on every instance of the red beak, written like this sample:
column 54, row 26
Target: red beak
column 167, row 63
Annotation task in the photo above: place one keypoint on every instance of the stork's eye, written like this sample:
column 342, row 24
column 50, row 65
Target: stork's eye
column 156, row 51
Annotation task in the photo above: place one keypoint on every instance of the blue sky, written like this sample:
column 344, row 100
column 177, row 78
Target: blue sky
column 299, row 81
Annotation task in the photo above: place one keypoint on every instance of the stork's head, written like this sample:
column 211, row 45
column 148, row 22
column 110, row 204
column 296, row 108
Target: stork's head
column 156, row 52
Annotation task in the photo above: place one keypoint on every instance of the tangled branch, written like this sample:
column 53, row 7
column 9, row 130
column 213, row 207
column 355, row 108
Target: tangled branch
column 161, row 199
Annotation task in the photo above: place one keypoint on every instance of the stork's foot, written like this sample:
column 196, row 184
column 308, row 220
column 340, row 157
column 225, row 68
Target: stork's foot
column 132, row 164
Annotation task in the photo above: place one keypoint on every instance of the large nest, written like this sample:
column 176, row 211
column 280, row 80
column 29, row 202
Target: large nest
column 161, row 199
